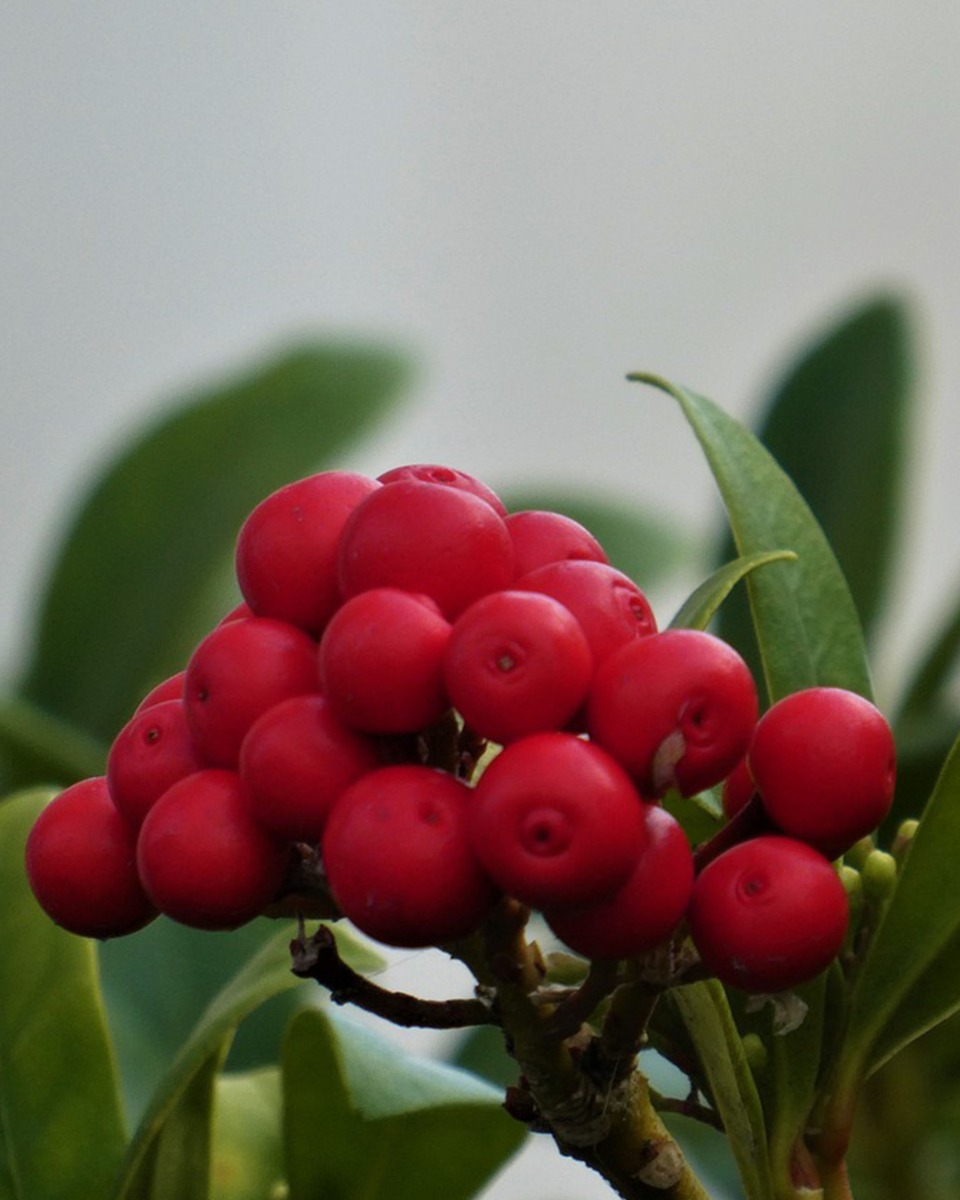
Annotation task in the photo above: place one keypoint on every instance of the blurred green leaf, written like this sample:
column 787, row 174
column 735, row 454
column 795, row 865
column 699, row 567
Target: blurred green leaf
column 926, row 690
column 121, row 601
column 641, row 544
column 364, row 1121
column 700, row 607
column 806, row 623
column 248, row 1144
column 910, row 977
column 189, row 1078
column 60, row 1115
column 836, row 423
column 483, row 1053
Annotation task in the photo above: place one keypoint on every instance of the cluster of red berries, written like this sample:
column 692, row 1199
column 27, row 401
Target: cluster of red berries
column 438, row 703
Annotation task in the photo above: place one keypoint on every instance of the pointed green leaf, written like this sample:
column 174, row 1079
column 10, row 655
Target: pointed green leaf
column 642, row 544
column 837, row 424
column 711, row 1027
column 909, row 979
column 266, row 975
column 700, row 607
column 60, row 1117
column 925, row 691
column 159, row 525
column 806, row 623
column 364, row 1121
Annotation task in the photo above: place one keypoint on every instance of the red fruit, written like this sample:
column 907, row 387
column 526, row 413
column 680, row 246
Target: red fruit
column 677, row 709
column 556, row 822
column 649, row 906
column 516, row 663
column 447, row 477
column 381, row 662
column 236, row 673
column 82, row 864
column 203, row 859
column 541, row 537
column 167, row 689
column 295, row 761
column 286, row 556
column 152, row 751
column 608, row 605
column 441, row 541
column 768, row 914
column 824, row 762
column 738, row 789
column 399, row 860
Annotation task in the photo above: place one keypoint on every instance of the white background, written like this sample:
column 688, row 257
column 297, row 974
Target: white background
column 537, row 197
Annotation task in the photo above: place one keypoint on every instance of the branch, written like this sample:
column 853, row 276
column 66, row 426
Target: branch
column 318, row 958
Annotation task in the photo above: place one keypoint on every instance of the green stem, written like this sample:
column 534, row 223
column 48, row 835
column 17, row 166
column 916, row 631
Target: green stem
column 56, row 746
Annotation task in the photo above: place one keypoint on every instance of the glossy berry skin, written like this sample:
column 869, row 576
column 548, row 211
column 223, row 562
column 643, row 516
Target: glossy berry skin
column 541, row 537
column 381, row 662
column 399, row 861
column 170, row 688
column 446, row 477
column 152, row 751
column 286, row 555
column 649, row 906
column 556, row 822
column 416, row 536
column 610, row 608
column 516, row 662
column 824, row 762
column 768, row 914
column 203, row 859
column 677, row 709
column 237, row 672
column 295, row 761
column 81, row 864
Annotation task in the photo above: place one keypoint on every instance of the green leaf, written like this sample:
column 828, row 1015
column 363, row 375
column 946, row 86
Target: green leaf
column 925, row 691
column 60, row 1116
column 120, row 608
column 700, row 607
column 248, row 1145
column 188, row 1080
column 836, row 423
column 364, row 1121
column 807, row 627
column 710, row 1024
column 909, row 979
column 641, row 544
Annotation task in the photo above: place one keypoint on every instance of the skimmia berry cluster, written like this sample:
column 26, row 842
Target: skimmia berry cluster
column 426, row 703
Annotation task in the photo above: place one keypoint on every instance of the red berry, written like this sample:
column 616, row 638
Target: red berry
column 738, row 790
column 236, row 673
column 381, row 662
column 556, row 822
column 203, row 859
column 768, row 914
column 447, row 477
column 609, row 606
column 824, row 762
column 541, row 537
column 152, row 751
column 286, row 556
column 516, row 662
column 441, row 541
column 82, row 864
column 295, row 761
column 167, row 689
column 649, row 906
column 677, row 708
column 399, row 860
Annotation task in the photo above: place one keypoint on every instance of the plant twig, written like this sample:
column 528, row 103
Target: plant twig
column 318, row 958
